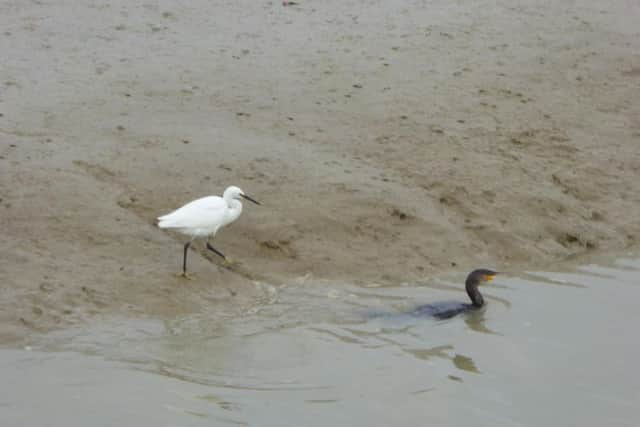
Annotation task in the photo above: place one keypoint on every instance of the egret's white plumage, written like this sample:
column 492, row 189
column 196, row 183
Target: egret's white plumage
column 204, row 217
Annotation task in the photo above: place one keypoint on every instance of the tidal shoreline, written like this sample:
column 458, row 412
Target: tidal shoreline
column 388, row 143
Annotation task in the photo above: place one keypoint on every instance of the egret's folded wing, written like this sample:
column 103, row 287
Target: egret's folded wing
column 199, row 213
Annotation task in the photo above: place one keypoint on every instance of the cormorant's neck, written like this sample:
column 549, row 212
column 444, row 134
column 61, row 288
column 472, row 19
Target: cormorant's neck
column 474, row 293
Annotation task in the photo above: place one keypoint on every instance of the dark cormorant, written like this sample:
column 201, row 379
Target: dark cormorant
column 446, row 310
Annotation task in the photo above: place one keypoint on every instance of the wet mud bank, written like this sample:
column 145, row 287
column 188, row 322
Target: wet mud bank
column 388, row 142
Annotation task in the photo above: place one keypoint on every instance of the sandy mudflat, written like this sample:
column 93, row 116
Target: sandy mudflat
column 388, row 141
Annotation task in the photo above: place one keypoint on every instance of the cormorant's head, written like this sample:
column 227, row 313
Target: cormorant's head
column 481, row 275
column 475, row 278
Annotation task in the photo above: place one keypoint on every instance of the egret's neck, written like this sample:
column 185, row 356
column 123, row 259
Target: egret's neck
column 235, row 208
column 228, row 198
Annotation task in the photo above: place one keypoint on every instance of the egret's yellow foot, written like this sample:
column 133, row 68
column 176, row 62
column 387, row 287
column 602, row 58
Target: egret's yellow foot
column 231, row 262
column 187, row 276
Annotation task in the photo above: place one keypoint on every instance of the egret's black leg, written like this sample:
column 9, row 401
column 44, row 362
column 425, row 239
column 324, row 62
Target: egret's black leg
column 184, row 259
column 211, row 248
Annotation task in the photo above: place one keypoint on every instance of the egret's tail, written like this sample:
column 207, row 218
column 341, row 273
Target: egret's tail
column 166, row 221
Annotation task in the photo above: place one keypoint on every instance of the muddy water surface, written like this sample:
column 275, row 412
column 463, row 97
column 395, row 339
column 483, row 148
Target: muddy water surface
column 549, row 349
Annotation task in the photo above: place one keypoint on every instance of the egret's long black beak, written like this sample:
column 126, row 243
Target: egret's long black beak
column 250, row 199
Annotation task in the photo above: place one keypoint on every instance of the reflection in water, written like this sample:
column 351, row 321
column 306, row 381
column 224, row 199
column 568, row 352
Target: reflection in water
column 460, row 361
column 476, row 321
column 465, row 363
column 441, row 351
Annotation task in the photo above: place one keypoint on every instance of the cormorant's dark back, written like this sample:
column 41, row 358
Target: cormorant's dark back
column 447, row 310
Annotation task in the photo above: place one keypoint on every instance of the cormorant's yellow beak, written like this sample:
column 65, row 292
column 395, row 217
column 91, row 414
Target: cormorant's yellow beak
column 489, row 277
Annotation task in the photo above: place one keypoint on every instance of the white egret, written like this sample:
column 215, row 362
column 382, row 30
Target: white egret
column 204, row 217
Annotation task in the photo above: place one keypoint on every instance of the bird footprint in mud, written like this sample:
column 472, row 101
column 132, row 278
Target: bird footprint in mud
column 238, row 268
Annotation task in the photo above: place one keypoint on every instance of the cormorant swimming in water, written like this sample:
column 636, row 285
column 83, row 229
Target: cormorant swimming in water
column 446, row 310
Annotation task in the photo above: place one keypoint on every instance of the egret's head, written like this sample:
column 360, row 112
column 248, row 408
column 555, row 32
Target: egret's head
column 234, row 192
column 480, row 276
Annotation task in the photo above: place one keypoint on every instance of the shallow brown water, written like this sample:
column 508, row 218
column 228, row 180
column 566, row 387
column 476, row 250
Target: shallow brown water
column 549, row 349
